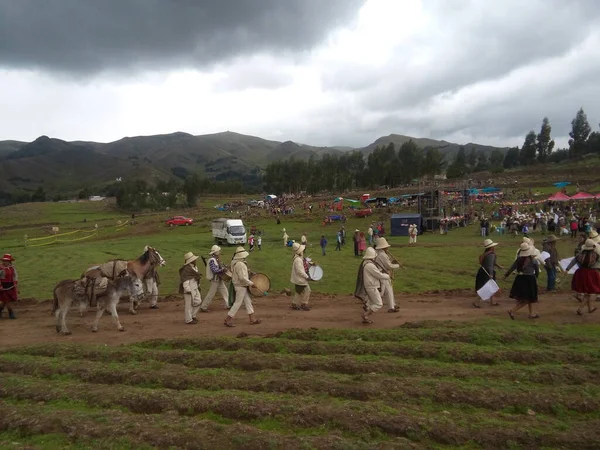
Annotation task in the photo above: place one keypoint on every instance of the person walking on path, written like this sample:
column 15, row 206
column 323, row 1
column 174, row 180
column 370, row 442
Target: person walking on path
column 189, row 286
column 384, row 262
column 551, row 263
column 524, row 289
column 214, row 272
column 9, row 285
column 299, row 279
column 368, row 283
column 338, row 245
column 586, row 280
column 487, row 270
column 241, row 283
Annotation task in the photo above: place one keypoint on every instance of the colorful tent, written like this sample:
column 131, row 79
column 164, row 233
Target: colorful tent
column 562, row 184
column 559, row 197
column 582, row 196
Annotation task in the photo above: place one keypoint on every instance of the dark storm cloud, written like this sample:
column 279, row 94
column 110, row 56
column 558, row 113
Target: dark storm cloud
column 83, row 37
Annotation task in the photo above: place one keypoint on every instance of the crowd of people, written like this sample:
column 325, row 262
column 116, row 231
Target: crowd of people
column 528, row 263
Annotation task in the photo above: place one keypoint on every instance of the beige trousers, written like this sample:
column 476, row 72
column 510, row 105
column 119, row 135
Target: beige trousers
column 374, row 302
column 387, row 293
column 242, row 295
column 302, row 298
column 191, row 302
column 216, row 286
column 151, row 290
column 412, row 240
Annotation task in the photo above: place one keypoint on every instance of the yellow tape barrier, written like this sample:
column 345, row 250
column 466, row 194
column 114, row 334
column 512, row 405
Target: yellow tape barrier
column 56, row 238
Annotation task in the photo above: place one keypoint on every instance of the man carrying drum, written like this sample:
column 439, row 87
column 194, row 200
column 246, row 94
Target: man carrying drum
column 215, row 272
column 241, row 283
column 300, row 279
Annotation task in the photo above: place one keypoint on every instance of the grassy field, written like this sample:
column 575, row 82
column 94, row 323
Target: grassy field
column 436, row 263
column 429, row 385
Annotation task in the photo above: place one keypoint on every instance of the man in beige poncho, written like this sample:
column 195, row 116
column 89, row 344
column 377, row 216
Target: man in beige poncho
column 241, row 284
column 368, row 283
column 300, row 279
column 384, row 262
column 189, row 286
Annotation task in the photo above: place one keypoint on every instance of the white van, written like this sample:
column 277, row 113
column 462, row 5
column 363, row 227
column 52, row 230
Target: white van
column 229, row 231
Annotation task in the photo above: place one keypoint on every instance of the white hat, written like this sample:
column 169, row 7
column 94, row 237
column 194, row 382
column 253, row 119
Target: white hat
column 488, row 243
column 525, row 250
column 589, row 245
column 382, row 244
column 214, row 249
column 298, row 248
column 526, row 240
column 370, row 253
column 240, row 253
column 357, row 231
column 189, row 257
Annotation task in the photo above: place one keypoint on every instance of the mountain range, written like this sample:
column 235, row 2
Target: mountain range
column 66, row 167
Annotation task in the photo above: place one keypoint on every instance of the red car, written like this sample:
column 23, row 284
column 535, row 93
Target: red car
column 179, row 220
column 363, row 212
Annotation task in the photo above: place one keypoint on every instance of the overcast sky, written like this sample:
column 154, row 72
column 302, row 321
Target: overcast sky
column 321, row 72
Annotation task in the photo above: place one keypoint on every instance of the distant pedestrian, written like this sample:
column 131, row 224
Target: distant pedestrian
column 9, row 281
column 251, row 242
column 323, row 244
column 259, row 242
column 338, row 245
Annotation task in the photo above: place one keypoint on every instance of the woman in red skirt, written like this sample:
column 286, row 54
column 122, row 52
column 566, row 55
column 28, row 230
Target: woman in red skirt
column 8, row 285
column 586, row 281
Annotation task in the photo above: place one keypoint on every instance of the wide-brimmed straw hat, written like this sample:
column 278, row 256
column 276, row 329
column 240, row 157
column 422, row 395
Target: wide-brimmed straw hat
column 526, row 250
column 589, row 245
column 8, row 257
column 382, row 244
column 551, row 238
column 298, row 248
column 370, row 253
column 189, row 257
column 526, row 240
column 240, row 253
column 488, row 243
column 214, row 249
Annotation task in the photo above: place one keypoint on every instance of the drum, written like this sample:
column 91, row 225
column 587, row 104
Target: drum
column 226, row 276
column 262, row 284
column 315, row 272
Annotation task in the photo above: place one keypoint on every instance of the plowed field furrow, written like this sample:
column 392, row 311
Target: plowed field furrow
column 361, row 420
column 391, row 390
column 443, row 351
column 457, row 332
column 163, row 431
column 341, row 363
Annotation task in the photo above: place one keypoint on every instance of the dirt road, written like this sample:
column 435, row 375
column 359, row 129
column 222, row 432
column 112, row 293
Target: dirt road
column 35, row 324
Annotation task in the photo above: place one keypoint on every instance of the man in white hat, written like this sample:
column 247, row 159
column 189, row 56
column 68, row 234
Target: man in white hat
column 368, row 283
column 214, row 271
column 241, row 284
column 300, row 279
column 189, row 286
column 384, row 262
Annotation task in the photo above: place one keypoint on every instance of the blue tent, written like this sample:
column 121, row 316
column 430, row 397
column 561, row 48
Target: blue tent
column 490, row 189
column 562, row 184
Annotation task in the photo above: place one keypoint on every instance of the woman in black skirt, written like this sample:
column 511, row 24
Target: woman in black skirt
column 524, row 289
column 487, row 270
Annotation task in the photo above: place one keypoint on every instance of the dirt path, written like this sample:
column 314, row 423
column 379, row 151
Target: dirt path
column 35, row 324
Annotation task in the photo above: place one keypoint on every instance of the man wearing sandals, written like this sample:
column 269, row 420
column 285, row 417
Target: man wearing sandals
column 300, row 279
column 385, row 264
column 241, row 284
column 368, row 284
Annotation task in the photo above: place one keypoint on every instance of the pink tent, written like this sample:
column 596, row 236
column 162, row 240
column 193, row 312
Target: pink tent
column 597, row 195
column 559, row 197
column 582, row 196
